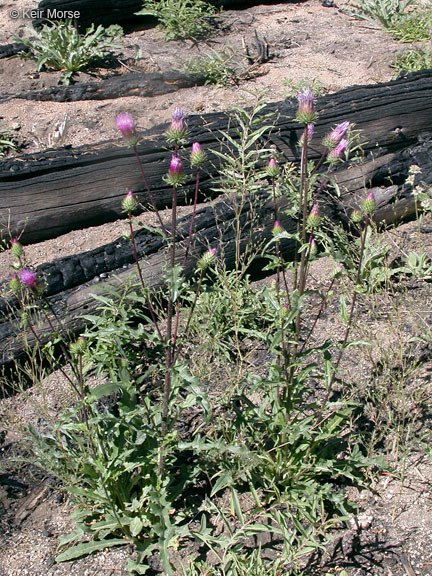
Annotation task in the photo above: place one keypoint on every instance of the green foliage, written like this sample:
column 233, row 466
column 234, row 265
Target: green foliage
column 388, row 13
column 180, row 19
column 405, row 20
column 220, row 68
column 106, row 451
column 150, row 459
column 7, row 142
column 226, row 313
column 59, row 46
column 414, row 26
column 413, row 60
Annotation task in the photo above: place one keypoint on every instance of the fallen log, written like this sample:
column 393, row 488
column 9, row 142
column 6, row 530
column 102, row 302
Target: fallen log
column 119, row 11
column 135, row 84
column 214, row 226
column 71, row 281
column 8, row 50
column 56, row 191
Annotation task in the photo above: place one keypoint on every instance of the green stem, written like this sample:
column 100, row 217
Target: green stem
column 169, row 344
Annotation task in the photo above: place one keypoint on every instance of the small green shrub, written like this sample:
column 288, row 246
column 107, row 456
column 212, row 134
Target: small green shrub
column 218, row 67
column 414, row 27
column 388, row 13
column 7, row 142
column 180, row 19
column 413, row 60
column 59, row 46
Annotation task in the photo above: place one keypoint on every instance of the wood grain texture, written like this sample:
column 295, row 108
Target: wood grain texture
column 71, row 281
column 56, row 191
column 134, row 84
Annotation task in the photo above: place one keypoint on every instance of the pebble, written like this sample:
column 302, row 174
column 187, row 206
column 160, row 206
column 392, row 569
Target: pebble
column 361, row 522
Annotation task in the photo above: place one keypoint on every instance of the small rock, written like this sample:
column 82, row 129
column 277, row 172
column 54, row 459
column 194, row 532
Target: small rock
column 361, row 522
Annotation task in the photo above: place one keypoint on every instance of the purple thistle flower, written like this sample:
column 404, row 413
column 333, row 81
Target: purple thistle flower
column 177, row 131
column 27, row 277
column 16, row 248
column 206, row 259
column 336, row 135
column 272, row 168
column 284, row 311
column 339, row 132
column 369, row 204
column 306, row 99
column 176, row 166
column 129, row 203
column 314, row 218
column 197, row 155
column 306, row 111
column 277, row 228
column 178, row 115
column 178, row 120
column 126, row 124
column 175, row 173
column 338, row 151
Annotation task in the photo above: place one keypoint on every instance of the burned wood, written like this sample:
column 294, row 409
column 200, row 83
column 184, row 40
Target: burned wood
column 71, row 281
column 214, row 226
column 117, row 11
column 134, row 84
column 8, row 50
column 56, row 191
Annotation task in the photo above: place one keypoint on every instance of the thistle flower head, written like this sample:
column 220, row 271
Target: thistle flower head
column 369, row 204
column 356, row 216
column 310, row 129
column 338, row 270
column 336, row 153
column 206, row 259
column 176, row 165
column 197, row 155
column 129, row 203
column 175, row 173
column 312, row 247
column 306, row 113
column 16, row 248
column 15, row 283
column 284, row 311
column 178, row 115
column 272, row 169
column 125, row 123
column 177, row 131
column 27, row 277
column 314, row 218
column 78, row 347
column 336, row 135
column 277, row 228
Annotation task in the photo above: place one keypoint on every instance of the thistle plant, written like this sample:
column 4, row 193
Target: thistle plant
column 146, row 453
column 59, row 46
